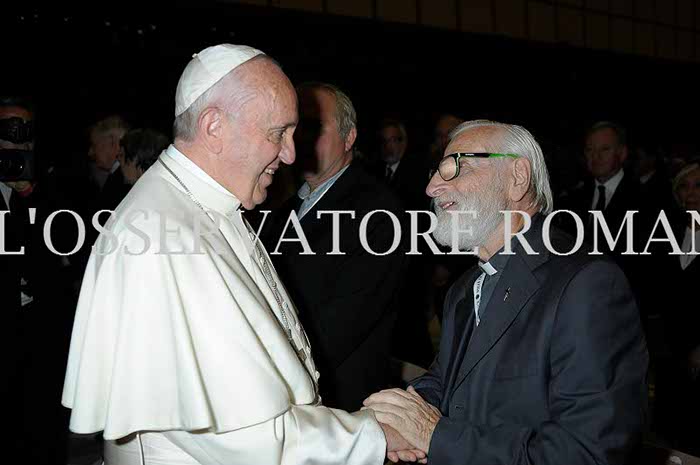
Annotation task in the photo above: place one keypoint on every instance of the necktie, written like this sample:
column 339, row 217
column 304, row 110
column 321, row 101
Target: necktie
column 600, row 204
column 388, row 174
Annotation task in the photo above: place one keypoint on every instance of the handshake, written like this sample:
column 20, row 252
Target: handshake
column 408, row 422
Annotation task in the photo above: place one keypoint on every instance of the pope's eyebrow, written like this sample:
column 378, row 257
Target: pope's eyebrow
column 284, row 126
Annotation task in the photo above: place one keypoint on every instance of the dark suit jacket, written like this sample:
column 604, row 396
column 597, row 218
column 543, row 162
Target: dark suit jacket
column 554, row 374
column 35, row 337
column 409, row 181
column 628, row 196
column 412, row 341
column 676, row 290
column 113, row 192
column 347, row 303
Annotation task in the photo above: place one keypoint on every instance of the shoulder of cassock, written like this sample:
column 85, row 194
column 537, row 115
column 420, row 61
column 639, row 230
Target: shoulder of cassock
column 167, row 341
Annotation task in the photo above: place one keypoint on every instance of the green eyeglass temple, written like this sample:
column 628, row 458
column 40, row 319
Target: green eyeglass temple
column 456, row 156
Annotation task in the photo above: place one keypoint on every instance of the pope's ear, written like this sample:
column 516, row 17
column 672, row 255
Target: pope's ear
column 210, row 128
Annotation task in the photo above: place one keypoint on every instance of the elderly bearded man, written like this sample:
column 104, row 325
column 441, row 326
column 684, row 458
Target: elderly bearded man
column 542, row 358
column 194, row 354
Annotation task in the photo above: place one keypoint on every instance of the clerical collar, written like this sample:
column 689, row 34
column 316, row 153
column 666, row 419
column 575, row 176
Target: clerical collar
column 218, row 197
column 488, row 268
column 612, row 183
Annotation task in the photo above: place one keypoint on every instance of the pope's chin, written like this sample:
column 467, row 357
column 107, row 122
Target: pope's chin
column 259, row 196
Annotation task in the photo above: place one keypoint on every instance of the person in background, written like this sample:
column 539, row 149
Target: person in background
column 348, row 302
column 441, row 135
column 140, row 148
column 36, row 306
column 677, row 408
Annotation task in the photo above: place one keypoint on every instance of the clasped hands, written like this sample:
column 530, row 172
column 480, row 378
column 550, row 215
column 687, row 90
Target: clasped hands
column 408, row 422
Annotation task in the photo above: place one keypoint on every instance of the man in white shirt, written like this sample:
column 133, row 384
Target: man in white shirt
column 605, row 152
column 186, row 347
column 614, row 193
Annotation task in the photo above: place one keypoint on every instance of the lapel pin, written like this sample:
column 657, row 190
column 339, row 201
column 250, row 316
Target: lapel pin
column 505, row 296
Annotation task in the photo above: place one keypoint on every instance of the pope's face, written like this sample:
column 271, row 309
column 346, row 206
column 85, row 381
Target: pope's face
column 260, row 136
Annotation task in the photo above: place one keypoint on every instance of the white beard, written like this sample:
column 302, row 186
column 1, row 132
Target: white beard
column 483, row 220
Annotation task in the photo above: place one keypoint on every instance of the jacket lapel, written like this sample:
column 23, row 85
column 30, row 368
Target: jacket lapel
column 514, row 289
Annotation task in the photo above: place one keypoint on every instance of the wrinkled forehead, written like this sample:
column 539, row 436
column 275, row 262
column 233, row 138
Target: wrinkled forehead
column 481, row 139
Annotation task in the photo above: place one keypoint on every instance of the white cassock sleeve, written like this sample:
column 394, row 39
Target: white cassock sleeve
column 303, row 435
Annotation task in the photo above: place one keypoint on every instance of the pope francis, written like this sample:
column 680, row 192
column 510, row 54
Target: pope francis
column 186, row 348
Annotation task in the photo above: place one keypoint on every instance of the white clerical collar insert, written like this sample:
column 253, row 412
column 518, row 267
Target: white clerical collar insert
column 488, row 268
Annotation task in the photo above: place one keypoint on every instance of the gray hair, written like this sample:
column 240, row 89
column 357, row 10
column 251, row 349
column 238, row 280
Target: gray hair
column 345, row 114
column 143, row 146
column 394, row 123
column 111, row 125
column 687, row 169
column 518, row 140
column 185, row 124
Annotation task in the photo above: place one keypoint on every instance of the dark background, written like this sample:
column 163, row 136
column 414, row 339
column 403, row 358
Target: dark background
column 80, row 64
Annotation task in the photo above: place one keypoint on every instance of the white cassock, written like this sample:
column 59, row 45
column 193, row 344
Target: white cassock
column 185, row 358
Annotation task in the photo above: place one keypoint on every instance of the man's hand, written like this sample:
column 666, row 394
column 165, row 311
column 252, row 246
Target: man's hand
column 19, row 186
column 399, row 449
column 407, row 413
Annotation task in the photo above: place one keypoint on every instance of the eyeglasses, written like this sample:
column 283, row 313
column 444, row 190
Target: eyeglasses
column 449, row 165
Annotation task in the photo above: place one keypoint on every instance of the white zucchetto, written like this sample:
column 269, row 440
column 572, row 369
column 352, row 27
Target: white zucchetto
column 206, row 69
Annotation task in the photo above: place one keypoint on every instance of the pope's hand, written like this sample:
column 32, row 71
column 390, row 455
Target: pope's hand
column 407, row 413
column 399, row 449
